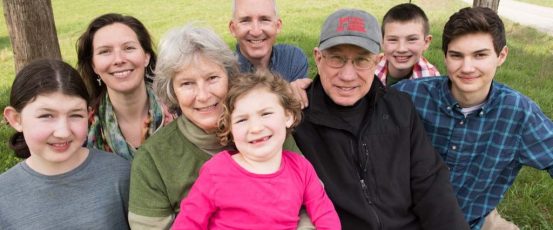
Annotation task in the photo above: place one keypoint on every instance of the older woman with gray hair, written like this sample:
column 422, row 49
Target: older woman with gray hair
column 193, row 72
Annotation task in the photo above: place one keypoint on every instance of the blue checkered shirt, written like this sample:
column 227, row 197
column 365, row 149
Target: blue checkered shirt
column 485, row 150
column 287, row 60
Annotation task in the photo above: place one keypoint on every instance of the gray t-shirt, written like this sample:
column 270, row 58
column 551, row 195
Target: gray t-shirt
column 92, row 196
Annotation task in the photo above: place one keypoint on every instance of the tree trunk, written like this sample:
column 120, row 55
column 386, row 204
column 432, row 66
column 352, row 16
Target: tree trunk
column 32, row 30
column 492, row 4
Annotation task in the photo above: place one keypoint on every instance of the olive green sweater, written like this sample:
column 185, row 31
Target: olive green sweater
column 163, row 171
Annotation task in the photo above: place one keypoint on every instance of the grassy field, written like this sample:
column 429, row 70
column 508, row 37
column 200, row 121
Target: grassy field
column 547, row 3
column 529, row 202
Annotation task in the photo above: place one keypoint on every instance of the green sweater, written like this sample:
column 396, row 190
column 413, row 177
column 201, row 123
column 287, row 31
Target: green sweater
column 164, row 169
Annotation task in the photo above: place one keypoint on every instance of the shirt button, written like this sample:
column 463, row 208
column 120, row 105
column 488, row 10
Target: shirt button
column 449, row 108
column 461, row 122
column 481, row 113
column 454, row 147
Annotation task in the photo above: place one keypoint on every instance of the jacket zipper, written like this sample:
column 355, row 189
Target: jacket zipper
column 363, row 171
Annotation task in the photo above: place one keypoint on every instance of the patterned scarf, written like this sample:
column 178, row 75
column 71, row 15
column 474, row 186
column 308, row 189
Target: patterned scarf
column 104, row 132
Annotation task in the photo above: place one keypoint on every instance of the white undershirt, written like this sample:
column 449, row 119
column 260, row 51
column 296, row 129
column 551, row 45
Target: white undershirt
column 469, row 110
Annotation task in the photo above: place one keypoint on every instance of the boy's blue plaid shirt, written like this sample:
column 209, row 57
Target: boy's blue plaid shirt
column 486, row 149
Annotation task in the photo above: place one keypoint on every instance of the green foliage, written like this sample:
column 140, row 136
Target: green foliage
column 7, row 158
column 527, row 69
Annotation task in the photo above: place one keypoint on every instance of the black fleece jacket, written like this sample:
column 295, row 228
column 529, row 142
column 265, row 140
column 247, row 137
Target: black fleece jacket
column 386, row 175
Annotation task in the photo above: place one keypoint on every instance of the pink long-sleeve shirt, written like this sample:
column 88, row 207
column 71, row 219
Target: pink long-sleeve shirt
column 226, row 196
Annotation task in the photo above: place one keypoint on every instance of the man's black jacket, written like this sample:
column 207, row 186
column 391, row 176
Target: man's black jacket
column 400, row 181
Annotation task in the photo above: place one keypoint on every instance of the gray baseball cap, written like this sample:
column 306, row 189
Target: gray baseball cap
column 351, row 26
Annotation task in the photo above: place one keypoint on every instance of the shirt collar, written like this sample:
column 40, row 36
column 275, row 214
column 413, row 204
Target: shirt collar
column 247, row 66
column 451, row 103
column 423, row 68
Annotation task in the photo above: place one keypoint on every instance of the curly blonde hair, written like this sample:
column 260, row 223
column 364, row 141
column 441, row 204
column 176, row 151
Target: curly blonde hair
column 245, row 83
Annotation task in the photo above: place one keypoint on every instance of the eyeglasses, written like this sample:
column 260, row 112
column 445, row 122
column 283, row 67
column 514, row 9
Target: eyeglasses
column 360, row 62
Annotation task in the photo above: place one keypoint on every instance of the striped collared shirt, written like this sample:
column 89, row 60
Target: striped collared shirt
column 422, row 68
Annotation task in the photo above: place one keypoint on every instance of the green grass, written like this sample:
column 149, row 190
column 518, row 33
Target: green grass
column 547, row 3
column 527, row 69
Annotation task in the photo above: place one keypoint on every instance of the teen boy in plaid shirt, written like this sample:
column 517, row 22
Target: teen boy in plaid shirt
column 484, row 131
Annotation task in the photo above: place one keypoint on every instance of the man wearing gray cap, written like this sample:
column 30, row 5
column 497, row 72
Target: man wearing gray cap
column 366, row 142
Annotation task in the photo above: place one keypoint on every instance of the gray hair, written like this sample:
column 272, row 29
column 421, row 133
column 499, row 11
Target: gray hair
column 179, row 48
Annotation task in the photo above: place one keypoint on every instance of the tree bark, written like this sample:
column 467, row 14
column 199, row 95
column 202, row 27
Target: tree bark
column 32, row 30
column 492, row 4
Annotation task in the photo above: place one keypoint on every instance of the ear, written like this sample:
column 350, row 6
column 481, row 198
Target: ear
column 93, row 67
column 289, row 119
column 503, row 55
column 278, row 25
column 427, row 41
column 232, row 28
column 317, row 55
column 147, row 60
column 14, row 118
column 90, row 112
